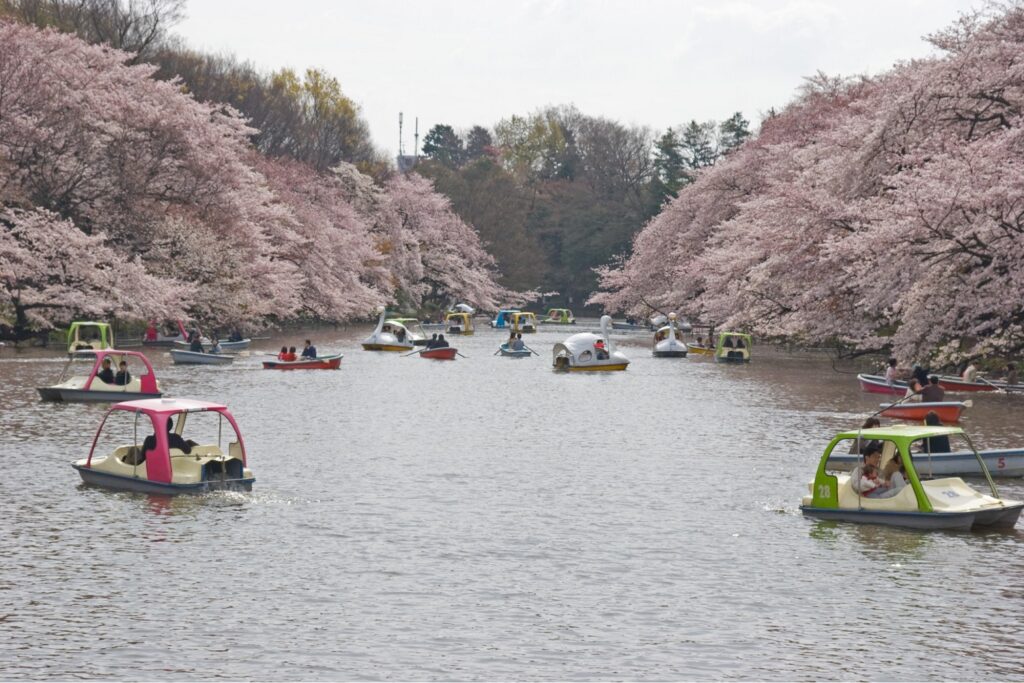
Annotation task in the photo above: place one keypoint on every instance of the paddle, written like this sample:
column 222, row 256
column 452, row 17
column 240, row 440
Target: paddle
column 459, row 354
column 530, row 350
column 414, row 352
column 999, row 390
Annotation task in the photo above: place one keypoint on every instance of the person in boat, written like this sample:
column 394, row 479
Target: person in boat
column 123, row 376
column 215, row 347
column 740, row 344
column 870, row 483
column 235, row 336
column 174, row 440
column 283, row 353
column 1011, row 374
column 920, row 374
column 890, row 372
column 151, row 333
column 516, row 343
column 872, row 457
column 913, row 393
column 196, row 345
column 727, row 344
column 442, row 343
column 309, row 351
column 933, row 392
column 291, row 356
column 895, row 478
column 432, row 342
column 400, row 334
column 970, row 373
column 860, row 445
column 934, row 444
column 600, row 351
column 106, row 373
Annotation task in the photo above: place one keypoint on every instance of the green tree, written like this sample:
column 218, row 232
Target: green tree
column 699, row 145
column 733, row 132
column 478, row 143
column 669, row 167
column 443, row 145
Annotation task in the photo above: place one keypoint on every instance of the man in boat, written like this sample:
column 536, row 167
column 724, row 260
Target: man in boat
column 309, row 351
column 235, row 335
column 920, row 374
column 932, row 392
column 197, row 343
column 872, row 457
column 1011, row 373
column 174, row 440
column 441, row 343
column 106, row 373
column 123, row 376
column 517, row 343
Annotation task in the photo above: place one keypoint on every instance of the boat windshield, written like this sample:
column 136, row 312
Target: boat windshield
column 211, row 431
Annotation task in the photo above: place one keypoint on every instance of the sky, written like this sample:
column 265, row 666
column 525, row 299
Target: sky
column 656, row 63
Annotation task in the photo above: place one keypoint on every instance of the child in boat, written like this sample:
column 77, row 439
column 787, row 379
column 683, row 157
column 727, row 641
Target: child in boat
column 290, row 356
column 283, row 355
column 869, row 481
column 123, row 376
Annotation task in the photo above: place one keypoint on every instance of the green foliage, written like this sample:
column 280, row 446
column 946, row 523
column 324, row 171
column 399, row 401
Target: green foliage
column 733, row 132
column 669, row 167
column 443, row 145
column 700, row 144
column 479, row 143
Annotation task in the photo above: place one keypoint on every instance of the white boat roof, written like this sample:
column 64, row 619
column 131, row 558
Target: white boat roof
column 581, row 342
column 168, row 405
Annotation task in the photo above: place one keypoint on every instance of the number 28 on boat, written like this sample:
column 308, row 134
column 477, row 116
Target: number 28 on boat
column 909, row 500
column 141, row 446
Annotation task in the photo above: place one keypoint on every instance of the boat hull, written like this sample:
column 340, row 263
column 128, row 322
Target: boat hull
column 447, row 353
column 670, row 354
column 90, row 396
column 195, row 358
column 1007, row 463
column 322, row 363
column 948, row 411
column 225, row 346
column 700, row 350
column 599, row 368
column 877, row 384
column 385, row 347
column 908, row 520
column 511, row 353
column 117, row 482
column 731, row 359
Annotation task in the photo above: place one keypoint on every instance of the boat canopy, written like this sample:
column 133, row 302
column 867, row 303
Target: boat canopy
column 559, row 315
column 147, row 380
column 88, row 334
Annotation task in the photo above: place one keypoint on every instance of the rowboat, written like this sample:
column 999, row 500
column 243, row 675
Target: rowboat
column 948, row 411
column 946, row 503
column 1003, row 463
column 700, row 350
column 164, row 462
column 512, row 353
column 626, row 326
column 182, row 357
column 319, row 363
column 668, row 340
column 225, row 346
column 441, row 353
column 82, row 381
column 876, row 384
column 589, row 352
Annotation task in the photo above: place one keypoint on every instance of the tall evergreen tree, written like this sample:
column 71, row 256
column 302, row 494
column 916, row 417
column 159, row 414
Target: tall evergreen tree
column 733, row 132
column 669, row 167
column 443, row 145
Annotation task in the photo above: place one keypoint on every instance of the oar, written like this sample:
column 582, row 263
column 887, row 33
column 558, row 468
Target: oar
column 893, row 404
column 999, row 390
column 414, row 352
column 530, row 350
column 498, row 351
column 459, row 354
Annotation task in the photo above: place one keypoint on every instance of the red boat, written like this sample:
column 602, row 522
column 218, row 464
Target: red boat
column 321, row 363
column 876, row 384
column 948, row 411
column 443, row 353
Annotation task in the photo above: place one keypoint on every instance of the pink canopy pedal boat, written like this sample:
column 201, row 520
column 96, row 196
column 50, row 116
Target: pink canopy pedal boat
column 80, row 380
column 145, row 449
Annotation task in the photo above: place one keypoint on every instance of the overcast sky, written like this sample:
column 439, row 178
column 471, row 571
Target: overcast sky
column 656, row 62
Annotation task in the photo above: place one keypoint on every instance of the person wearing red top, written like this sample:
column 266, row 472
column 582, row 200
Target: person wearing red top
column 290, row 355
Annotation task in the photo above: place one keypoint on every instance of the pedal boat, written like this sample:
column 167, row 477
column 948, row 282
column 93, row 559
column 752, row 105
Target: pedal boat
column 153, row 336
column 946, row 503
column 948, row 411
column 166, row 470
column 440, row 353
column 524, row 321
column 559, row 316
column 78, row 385
column 578, row 353
column 668, row 340
column 458, row 323
column 183, row 357
column 699, row 350
column 504, row 318
column 88, row 336
column 733, row 347
column 332, row 362
column 389, row 335
column 876, row 384
column 512, row 353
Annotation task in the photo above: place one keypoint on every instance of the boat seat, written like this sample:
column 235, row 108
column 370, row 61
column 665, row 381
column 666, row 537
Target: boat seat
column 849, row 500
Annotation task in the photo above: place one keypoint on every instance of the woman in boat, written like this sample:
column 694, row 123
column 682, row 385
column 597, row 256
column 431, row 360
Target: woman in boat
column 860, row 445
column 283, row 354
column 970, row 373
column 934, row 444
column 872, row 457
column 913, row 394
column 600, row 350
column 432, row 342
column 290, row 356
column 890, row 372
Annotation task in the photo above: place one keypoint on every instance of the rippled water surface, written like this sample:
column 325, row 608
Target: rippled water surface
column 489, row 519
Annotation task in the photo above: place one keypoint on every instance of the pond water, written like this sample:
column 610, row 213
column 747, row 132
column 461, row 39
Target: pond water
column 490, row 519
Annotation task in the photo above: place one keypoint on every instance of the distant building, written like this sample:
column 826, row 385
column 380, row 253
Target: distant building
column 406, row 162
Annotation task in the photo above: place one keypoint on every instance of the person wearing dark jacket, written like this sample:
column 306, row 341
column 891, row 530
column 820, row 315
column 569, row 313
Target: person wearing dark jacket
column 309, row 351
column 106, row 373
column 123, row 376
column 932, row 392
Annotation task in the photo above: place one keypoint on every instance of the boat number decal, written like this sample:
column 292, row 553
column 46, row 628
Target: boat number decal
column 824, row 491
column 1001, row 463
column 951, row 494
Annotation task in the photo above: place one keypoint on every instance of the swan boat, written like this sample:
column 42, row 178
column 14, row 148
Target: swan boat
column 389, row 335
column 668, row 340
column 155, row 465
column 946, row 503
column 589, row 352
column 79, row 385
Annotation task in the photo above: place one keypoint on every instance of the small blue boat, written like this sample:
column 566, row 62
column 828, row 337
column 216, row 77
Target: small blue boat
column 512, row 353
